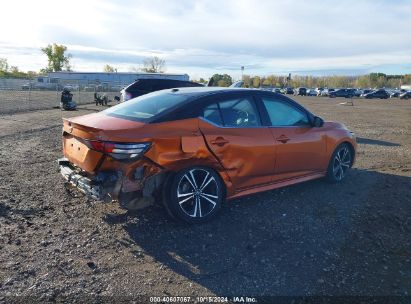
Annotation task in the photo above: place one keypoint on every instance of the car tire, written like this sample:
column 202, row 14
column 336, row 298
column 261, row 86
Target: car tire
column 341, row 160
column 194, row 195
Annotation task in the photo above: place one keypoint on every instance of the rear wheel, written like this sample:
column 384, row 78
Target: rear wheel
column 195, row 195
column 340, row 162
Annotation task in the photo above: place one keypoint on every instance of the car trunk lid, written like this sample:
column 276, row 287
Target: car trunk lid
column 78, row 131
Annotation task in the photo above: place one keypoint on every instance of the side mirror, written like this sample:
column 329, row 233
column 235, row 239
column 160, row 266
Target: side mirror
column 318, row 122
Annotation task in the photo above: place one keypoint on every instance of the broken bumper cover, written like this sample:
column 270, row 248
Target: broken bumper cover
column 106, row 186
column 84, row 184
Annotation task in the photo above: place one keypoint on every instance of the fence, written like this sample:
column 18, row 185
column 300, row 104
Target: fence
column 20, row 95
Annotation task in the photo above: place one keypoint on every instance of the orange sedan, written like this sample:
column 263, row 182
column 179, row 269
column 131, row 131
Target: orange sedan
column 193, row 148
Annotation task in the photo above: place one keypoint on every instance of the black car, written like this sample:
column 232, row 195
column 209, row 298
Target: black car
column 405, row 95
column 301, row 91
column 381, row 93
column 144, row 86
column 347, row 93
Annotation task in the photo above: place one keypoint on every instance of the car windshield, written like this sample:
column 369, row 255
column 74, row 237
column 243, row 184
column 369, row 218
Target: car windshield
column 146, row 107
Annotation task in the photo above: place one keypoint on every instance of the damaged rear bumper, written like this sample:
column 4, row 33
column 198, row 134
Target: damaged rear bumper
column 135, row 193
column 84, row 184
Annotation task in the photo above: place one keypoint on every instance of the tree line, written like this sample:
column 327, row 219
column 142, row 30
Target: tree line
column 372, row 80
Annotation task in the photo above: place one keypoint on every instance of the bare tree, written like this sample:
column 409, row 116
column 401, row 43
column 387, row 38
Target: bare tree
column 154, row 65
column 109, row 69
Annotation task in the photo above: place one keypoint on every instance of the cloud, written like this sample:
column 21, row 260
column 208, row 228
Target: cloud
column 203, row 36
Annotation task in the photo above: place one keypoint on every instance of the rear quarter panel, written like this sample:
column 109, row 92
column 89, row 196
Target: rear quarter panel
column 178, row 145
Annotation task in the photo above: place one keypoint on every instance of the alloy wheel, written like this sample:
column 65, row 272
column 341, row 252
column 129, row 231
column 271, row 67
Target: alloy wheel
column 197, row 193
column 341, row 163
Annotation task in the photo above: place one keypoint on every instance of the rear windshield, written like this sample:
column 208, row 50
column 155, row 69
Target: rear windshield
column 147, row 107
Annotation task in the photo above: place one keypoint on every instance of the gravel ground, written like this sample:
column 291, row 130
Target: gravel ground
column 313, row 238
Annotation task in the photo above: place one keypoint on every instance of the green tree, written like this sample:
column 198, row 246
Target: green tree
column 267, row 82
column 57, row 59
column 256, row 82
column 109, row 69
column 247, row 81
column 222, row 80
column 406, row 79
column 154, row 65
column 4, row 66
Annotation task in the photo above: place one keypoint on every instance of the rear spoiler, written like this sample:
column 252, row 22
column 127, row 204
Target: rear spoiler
column 68, row 123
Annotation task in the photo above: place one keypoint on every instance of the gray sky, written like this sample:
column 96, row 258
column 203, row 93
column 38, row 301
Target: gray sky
column 206, row 37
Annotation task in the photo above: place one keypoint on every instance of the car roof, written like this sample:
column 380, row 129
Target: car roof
column 205, row 91
column 196, row 93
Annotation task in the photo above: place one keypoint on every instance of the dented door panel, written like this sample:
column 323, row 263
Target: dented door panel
column 247, row 154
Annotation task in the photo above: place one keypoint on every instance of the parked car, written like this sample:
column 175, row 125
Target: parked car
column 27, row 86
column 366, row 91
column 144, row 86
column 380, row 93
column 197, row 147
column 289, row 91
column 347, row 93
column 237, row 84
column 300, row 91
column 311, row 92
column 356, row 92
column 405, row 95
column 395, row 93
column 326, row 92
column 277, row 90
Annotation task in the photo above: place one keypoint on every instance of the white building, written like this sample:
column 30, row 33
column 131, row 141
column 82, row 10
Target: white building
column 121, row 78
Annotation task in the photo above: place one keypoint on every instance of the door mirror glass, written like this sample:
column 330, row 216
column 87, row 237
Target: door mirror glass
column 318, row 122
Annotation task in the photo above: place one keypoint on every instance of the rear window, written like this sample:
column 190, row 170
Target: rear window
column 147, row 107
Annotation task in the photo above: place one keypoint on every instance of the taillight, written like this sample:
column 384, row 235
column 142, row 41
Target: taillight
column 119, row 150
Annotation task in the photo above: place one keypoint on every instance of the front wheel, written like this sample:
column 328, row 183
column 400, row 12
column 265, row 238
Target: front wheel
column 340, row 162
column 195, row 195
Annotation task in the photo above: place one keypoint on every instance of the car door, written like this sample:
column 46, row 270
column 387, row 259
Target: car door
column 233, row 131
column 300, row 147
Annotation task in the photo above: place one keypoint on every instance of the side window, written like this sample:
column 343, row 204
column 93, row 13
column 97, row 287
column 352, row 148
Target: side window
column 236, row 112
column 161, row 85
column 144, row 85
column 283, row 114
column 212, row 113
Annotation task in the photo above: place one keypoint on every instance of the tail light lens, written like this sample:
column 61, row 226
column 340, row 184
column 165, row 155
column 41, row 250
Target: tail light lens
column 119, row 150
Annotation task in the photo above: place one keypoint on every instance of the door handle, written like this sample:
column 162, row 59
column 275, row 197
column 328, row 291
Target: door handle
column 219, row 141
column 282, row 139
